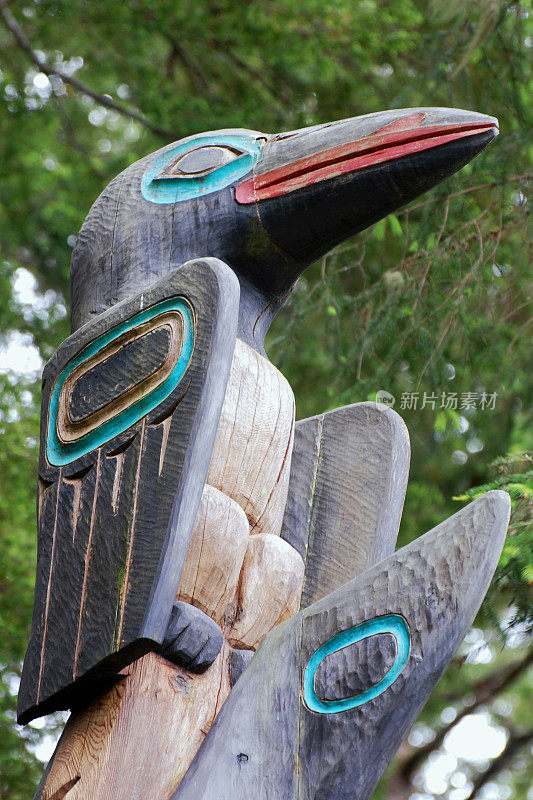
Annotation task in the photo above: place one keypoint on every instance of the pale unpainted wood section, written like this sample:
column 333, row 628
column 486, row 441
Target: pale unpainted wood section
column 267, row 745
column 251, row 456
column 137, row 740
column 269, row 590
column 216, row 554
column 347, row 486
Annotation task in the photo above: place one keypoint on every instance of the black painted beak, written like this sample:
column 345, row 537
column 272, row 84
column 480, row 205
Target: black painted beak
column 315, row 187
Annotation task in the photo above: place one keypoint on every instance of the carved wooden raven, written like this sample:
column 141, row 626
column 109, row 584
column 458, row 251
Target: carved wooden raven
column 183, row 515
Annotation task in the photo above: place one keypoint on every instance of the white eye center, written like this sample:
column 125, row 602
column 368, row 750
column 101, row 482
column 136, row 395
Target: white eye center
column 200, row 162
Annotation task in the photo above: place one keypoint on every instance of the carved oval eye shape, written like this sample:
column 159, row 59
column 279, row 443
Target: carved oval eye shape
column 392, row 624
column 199, row 162
column 199, row 167
column 117, row 400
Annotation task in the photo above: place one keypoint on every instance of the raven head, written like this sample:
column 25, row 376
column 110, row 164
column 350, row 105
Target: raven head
column 267, row 205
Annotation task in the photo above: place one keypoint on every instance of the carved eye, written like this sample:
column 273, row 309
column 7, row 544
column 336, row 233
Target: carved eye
column 199, row 162
column 119, row 378
column 198, row 167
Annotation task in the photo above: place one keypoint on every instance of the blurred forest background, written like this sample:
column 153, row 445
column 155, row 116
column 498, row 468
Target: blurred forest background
column 431, row 302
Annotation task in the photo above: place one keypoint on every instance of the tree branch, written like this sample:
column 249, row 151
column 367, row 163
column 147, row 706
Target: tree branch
column 24, row 43
column 192, row 68
column 75, row 143
column 492, row 185
column 485, row 690
column 496, row 681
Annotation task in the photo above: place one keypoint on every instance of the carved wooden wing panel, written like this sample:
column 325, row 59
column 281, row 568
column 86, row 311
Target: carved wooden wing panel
column 329, row 695
column 347, row 485
column 130, row 407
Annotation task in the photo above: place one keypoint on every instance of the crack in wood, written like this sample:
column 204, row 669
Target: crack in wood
column 65, row 789
column 117, row 480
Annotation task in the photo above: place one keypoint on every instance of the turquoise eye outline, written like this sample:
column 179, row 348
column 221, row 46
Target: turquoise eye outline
column 174, row 190
column 60, row 453
column 393, row 624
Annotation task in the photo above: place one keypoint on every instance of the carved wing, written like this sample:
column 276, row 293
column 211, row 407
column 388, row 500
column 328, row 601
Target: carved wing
column 325, row 702
column 347, row 485
column 130, row 407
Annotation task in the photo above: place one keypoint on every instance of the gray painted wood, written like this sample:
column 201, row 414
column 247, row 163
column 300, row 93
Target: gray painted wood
column 267, row 745
column 348, row 479
column 115, row 523
column 250, row 752
column 127, row 243
column 238, row 661
column 336, row 678
column 192, row 639
column 306, row 142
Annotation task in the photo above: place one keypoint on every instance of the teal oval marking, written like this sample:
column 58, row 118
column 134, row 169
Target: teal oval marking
column 60, row 453
column 173, row 191
column 393, row 624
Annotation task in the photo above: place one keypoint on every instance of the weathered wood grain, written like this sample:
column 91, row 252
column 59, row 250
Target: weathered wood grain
column 347, row 485
column 110, row 562
column 129, row 744
column 238, row 661
column 322, row 207
column 216, row 553
column 267, row 745
column 116, row 257
column 302, row 194
column 269, row 591
column 134, row 363
column 252, row 451
column 251, row 749
column 127, row 241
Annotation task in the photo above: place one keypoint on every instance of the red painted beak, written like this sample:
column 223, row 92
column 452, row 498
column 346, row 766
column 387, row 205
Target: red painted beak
column 406, row 133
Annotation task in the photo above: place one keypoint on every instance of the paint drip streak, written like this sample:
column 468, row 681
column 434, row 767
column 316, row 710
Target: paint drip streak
column 125, row 583
column 87, row 562
column 49, row 587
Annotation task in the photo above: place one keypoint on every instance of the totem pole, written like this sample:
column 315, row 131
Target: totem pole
column 217, row 598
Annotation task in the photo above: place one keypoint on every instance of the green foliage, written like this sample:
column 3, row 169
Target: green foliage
column 19, row 770
column 514, row 577
column 431, row 302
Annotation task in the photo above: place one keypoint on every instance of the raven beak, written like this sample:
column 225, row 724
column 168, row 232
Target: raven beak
column 316, row 186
